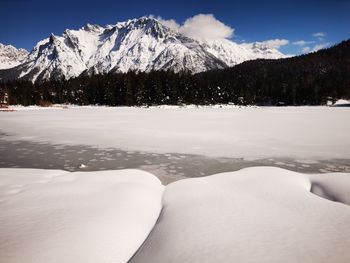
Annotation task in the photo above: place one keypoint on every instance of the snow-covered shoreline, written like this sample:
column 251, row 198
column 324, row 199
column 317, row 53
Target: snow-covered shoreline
column 165, row 106
column 260, row 214
column 339, row 102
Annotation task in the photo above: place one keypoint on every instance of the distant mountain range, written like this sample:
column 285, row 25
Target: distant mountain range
column 316, row 78
column 11, row 57
column 143, row 44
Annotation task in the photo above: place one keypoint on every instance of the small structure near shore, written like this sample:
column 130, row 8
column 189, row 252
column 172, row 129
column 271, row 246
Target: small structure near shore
column 4, row 99
column 4, row 102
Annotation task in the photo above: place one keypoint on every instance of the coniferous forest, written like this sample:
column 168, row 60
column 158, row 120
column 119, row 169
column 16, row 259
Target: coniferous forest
column 310, row 79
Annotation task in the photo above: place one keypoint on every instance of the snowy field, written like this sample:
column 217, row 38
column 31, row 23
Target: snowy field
column 302, row 133
column 260, row 214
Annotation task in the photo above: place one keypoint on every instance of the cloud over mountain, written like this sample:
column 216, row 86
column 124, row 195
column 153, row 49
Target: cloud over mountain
column 276, row 43
column 201, row 26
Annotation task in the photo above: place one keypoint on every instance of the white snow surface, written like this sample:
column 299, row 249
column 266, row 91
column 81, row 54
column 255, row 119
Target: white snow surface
column 250, row 132
column 52, row 216
column 260, row 214
column 11, row 56
column 142, row 44
column 342, row 102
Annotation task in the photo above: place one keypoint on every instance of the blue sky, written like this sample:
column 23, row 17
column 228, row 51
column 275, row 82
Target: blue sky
column 299, row 25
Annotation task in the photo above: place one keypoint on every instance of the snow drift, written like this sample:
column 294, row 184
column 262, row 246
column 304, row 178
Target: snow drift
column 260, row 214
column 57, row 216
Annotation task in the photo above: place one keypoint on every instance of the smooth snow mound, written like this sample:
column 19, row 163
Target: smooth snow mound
column 261, row 214
column 272, row 132
column 52, row 216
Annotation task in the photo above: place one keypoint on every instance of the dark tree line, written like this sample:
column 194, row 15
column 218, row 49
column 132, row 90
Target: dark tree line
column 304, row 80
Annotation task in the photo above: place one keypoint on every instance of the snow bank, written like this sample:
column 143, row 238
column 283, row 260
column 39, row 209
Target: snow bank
column 259, row 214
column 292, row 132
column 340, row 103
column 56, row 216
column 332, row 186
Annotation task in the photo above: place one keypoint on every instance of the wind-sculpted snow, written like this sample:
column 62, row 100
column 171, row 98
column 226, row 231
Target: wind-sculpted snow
column 52, row 216
column 260, row 214
column 142, row 44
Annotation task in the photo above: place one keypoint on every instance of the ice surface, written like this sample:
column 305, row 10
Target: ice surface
column 293, row 132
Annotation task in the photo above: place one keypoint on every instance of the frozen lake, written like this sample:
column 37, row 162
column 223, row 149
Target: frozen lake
column 174, row 143
column 167, row 167
column 129, row 216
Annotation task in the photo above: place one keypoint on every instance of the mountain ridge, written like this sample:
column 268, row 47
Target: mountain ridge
column 142, row 44
column 11, row 56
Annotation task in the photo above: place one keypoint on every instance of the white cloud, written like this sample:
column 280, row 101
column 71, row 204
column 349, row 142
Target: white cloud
column 171, row 23
column 206, row 26
column 319, row 34
column 319, row 43
column 276, row 43
column 306, row 49
column 320, row 46
column 302, row 43
column 201, row 26
column 315, row 48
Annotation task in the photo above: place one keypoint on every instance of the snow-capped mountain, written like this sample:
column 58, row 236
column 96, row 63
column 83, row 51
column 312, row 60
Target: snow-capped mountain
column 11, row 56
column 142, row 44
column 232, row 53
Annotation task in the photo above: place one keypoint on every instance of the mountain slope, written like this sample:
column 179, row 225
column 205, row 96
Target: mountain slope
column 232, row 53
column 313, row 78
column 11, row 56
column 142, row 44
